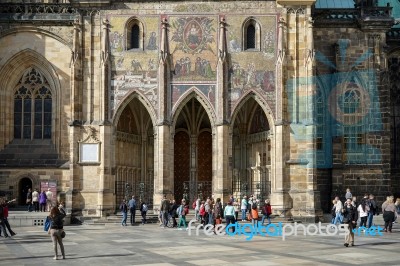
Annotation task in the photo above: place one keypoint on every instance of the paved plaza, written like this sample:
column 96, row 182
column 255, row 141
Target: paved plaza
column 112, row 244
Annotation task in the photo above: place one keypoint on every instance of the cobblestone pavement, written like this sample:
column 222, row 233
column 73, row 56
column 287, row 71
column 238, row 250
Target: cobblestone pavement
column 154, row 245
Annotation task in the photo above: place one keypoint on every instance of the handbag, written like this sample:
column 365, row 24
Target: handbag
column 63, row 234
column 47, row 224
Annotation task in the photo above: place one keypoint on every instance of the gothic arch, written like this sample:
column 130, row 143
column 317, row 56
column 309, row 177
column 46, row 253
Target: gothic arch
column 35, row 30
column 14, row 69
column 184, row 99
column 135, row 94
column 263, row 104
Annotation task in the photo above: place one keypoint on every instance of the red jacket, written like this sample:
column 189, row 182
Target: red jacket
column 267, row 209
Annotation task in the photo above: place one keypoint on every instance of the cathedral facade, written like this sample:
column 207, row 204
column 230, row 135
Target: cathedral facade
column 287, row 100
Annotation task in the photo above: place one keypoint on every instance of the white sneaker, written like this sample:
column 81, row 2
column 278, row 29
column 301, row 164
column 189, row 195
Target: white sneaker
column 55, row 258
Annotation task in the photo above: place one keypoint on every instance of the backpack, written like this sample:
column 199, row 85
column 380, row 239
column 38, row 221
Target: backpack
column 145, row 208
column 185, row 210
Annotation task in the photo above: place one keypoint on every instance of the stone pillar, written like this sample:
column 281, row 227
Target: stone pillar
column 222, row 177
column 163, row 141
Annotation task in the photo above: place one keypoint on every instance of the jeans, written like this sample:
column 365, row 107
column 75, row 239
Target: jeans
column 363, row 221
column 56, row 237
column 338, row 218
column 182, row 220
column 29, row 206
column 165, row 218
column 124, row 216
column 3, row 228
column 230, row 219
column 210, row 218
column 243, row 214
column 369, row 220
column 143, row 217
column 263, row 218
column 133, row 212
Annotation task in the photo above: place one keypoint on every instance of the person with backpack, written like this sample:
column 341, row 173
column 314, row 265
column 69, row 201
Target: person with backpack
column 124, row 210
column 266, row 211
column 182, row 212
column 254, row 212
column 143, row 210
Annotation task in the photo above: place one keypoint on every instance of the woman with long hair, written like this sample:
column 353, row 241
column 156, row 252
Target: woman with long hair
column 56, row 229
column 363, row 210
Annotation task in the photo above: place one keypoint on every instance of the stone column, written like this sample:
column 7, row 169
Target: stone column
column 221, row 185
column 163, row 141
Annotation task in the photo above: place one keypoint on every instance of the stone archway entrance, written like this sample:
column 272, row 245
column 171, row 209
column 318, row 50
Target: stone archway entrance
column 192, row 153
column 251, row 152
column 134, row 154
column 23, row 186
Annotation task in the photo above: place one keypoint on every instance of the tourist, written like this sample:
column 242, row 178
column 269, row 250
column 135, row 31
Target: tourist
column 354, row 201
column 4, row 204
column 218, row 212
column 333, row 211
column 29, row 199
column 389, row 212
column 132, row 209
column 165, row 210
column 202, row 213
column 348, row 194
column 56, row 230
column 266, row 211
column 197, row 209
column 49, row 199
column 372, row 210
column 363, row 210
column 254, row 212
column 174, row 215
column 350, row 218
column 229, row 214
column 124, row 210
column 338, row 209
column 243, row 207
column 2, row 223
column 182, row 212
column 236, row 206
column 42, row 201
column 397, row 204
column 143, row 210
column 35, row 200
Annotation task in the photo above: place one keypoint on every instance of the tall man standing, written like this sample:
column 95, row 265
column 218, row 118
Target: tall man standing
column 165, row 210
column 132, row 209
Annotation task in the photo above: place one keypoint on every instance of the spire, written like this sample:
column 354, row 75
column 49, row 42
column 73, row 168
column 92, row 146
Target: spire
column 164, row 51
column 222, row 47
column 106, row 43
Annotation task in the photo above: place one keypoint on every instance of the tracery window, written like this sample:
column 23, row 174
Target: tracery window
column 251, row 35
column 353, row 135
column 32, row 107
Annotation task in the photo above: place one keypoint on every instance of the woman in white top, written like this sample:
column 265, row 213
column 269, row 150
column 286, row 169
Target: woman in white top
column 363, row 210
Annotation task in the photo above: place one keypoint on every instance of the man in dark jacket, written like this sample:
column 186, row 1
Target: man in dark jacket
column 350, row 217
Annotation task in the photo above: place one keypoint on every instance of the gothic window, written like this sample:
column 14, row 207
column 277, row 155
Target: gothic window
column 134, row 34
column 353, row 134
column 135, row 37
column 32, row 107
column 251, row 35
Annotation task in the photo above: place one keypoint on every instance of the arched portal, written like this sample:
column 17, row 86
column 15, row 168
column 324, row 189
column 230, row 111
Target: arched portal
column 134, row 154
column 192, row 153
column 251, row 152
column 24, row 185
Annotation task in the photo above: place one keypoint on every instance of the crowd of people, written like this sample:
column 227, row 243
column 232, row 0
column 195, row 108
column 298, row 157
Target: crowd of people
column 362, row 213
column 213, row 211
